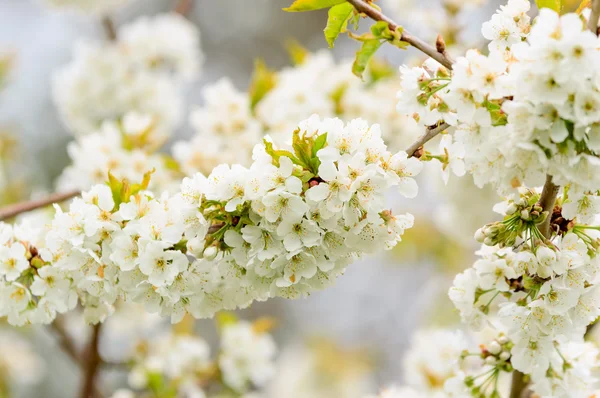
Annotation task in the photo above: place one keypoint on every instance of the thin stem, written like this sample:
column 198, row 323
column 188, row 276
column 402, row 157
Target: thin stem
column 594, row 16
column 109, row 28
column 430, row 133
column 92, row 364
column 428, row 49
column 547, row 201
column 23, row 207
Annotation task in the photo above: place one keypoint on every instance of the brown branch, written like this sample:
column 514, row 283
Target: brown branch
column 92, row 362
column 23, row 207
column 547, row 200
column 518, row 385
column 184, row 7
column 428, row 49
column 109, row 28
column 214, row 228
column 594, row 16
column 65, row 341
column 430, row 133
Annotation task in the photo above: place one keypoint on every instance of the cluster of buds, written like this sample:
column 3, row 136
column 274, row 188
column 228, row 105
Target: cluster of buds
column 495, row 355
column 522, row 216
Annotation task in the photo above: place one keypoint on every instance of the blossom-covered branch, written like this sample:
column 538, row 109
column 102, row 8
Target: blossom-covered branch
column 286, row 226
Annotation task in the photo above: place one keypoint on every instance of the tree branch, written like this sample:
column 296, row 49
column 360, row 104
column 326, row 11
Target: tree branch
column 430, row 133
column 92, row 362
column 375, row 14
column 109, row 28
column 594, row 16
column 23, row 207
column 547, row 200
column 518, row 385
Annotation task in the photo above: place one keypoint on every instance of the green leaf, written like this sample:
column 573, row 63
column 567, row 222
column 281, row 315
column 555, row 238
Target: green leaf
column 136, row 188
column 381, row 30
column 337, row 95
column 499, row 118
column 263, row 81
column 364, row 55
column 337, row 21
column 116, row 187
column 276, row 154
column 310, row 5
column 122, row 190
column 556, row 5
column 297, row 52
column 319, row 143
column 303, row 149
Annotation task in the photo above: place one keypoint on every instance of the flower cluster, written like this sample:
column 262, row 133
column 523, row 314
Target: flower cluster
column 508, row 26
column 127, row 149
column 226, row 130
column 540, row 293
column 229, row 122
column 181, row 365
column 286, row 226
column 527, row 109
column 165, row 43
column 137, row 73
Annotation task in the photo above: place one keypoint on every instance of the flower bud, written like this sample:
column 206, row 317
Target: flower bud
column 502, row 340
column 505, row 355
column 490, row 360
column 479, row 235
column 210, row 253
column 494, row 348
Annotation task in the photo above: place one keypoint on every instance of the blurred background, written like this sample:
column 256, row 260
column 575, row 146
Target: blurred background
column 353, row 334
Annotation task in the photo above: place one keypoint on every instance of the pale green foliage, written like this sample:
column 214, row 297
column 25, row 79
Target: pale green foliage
column 310, row 5
column 556, row 5
column 337, row 21
column 263, row 80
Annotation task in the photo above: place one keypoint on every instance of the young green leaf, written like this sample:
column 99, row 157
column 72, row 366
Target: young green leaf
column 310, row 5
column 278, row 153
column 364, row 55
column 296, row 51
column 263, row 81
column 555, row 5
column 319, row 144
column 337, row 21
column 380, row 70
